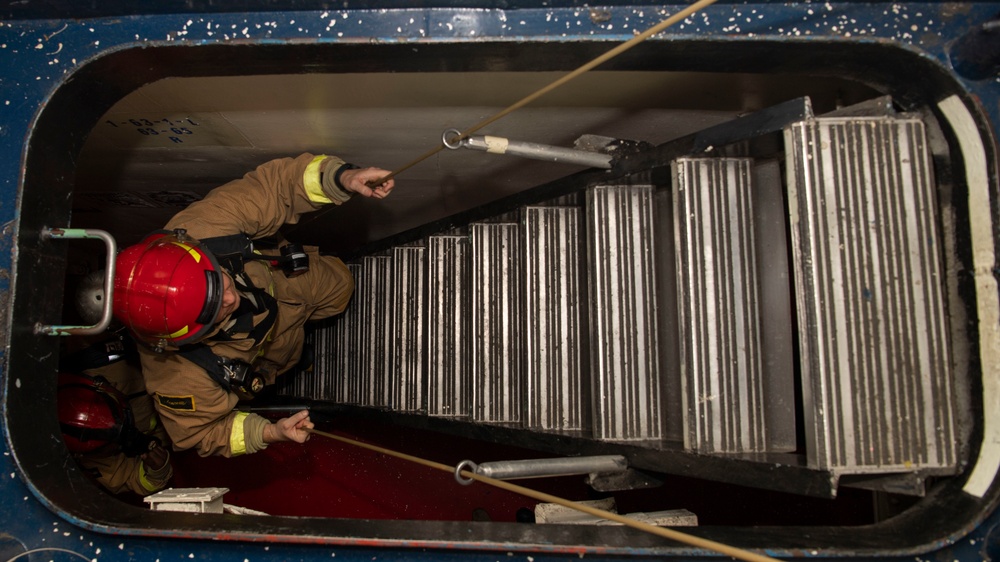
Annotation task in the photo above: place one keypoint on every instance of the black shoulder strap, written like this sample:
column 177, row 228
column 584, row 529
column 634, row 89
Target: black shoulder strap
column 202, row 356
column 232, row 250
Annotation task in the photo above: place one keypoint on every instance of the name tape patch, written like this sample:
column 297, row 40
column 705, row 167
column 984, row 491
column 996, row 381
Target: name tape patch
column 179, row 403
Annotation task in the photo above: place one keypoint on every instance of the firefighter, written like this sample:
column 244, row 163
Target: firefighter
column 100, row 426
column 108, row 420
column 219, row 300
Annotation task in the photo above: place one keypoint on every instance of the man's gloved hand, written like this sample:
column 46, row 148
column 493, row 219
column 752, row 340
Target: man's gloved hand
column 155, row 458
column 292, row 428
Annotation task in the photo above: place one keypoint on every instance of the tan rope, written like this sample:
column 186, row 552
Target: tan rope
column 531, row 97
column 664, row 532
column 546, row 89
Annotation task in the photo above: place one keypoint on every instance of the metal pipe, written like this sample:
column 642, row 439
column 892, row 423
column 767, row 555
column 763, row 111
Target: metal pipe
column 291, row 408
column 498, row 145
column 538, row 468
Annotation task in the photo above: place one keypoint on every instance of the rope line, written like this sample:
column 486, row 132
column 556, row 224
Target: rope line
column 557, row 83
column 531, row 97
column 664, row 532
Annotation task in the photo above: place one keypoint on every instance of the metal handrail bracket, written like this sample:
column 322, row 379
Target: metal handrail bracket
column 112, row 248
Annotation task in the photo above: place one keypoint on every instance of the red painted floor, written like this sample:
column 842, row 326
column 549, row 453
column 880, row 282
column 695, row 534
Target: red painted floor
column 326, row 478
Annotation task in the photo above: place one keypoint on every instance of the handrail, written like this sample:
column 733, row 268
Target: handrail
column 105, row 321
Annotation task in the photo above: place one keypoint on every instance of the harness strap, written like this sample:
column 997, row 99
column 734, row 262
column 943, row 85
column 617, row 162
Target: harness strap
column 203, row 356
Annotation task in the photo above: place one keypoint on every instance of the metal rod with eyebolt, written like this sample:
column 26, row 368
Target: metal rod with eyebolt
column 543, row 468
column 664, row 532
column 679, row 16
column 453, row 139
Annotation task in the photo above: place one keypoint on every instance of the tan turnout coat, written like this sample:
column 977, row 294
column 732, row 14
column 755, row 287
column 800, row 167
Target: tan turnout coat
column 196, row 411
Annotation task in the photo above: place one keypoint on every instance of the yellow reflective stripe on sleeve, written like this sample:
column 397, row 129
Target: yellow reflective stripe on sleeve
column 149, row 486
column 310, row 180
column 237, row 441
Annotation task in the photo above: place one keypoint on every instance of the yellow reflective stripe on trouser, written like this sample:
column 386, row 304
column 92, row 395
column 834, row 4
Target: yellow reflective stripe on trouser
column 237, row 441
column 310, row 179
column 149, row 486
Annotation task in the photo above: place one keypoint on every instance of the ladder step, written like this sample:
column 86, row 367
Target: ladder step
column 496, row 322
column 623, row 324
column 377, row 319
column 877, row 377
column 555, row 375
column 449, row 355
column 718, row 310
column 408, row 299
column 321, row 384
column 352, row 385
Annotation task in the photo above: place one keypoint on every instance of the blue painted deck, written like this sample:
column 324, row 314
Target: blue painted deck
column 40, row 51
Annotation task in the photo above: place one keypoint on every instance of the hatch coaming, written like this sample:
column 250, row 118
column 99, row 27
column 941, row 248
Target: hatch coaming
column 87, row 506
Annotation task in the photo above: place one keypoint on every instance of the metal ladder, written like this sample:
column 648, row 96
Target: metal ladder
column 738, row 310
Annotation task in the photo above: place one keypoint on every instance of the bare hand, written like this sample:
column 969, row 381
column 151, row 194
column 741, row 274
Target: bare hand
column 292, row 428
column 356, row 180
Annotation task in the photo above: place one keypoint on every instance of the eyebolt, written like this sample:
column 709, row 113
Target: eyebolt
column 458, row 472
column 452, row 134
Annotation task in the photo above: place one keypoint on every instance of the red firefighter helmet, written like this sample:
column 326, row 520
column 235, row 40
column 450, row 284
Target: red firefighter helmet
column 167, row 289
column 95, row 417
